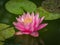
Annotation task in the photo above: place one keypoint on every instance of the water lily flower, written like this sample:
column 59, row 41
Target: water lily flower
column 29, row 24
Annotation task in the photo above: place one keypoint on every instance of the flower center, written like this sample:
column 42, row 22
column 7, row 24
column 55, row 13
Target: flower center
column 27, row 20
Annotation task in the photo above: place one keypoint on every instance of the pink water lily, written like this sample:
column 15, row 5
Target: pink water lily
column 29, row 24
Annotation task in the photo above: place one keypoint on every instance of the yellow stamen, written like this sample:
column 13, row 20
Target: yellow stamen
column 27, row 20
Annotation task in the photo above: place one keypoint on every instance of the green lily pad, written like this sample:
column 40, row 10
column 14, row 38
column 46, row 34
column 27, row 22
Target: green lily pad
column 1, row 43
column 6, row 31
column 3, row 26
column 29, row 6
column 19, row 0
column 48, row 15
column 1, row 38
column 18, row 7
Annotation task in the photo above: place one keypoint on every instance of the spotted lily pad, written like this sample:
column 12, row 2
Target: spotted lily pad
column 48, row 15
column 18, row 7
column 6, row 32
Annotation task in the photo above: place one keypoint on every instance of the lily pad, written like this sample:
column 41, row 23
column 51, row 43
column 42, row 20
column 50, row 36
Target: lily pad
column 6, row 31
column 48, row 15
column 1, row 38
column 19, row 0
column 1, row 43
column 29, row 6
column 18, row 7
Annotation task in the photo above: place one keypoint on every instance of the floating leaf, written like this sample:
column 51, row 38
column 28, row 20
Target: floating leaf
column 19, row 0
column 48, row 15
column 6, row 31
column 28, row 6
column 1, row 43
column 51, row 5
column 3, row 26
column 18, row 7
column 14, row 7
column 1, row 38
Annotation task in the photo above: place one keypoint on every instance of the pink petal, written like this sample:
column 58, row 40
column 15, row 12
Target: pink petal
column 27, row 27
column 19, row 33
column 36, row 20
column 28, row 15
column 32, row 28
column 32, row 23
column 41, row 19
column 37, row 16
column 18, row 19
column 23, row 16
column 35, row 34
column 42, row 26
column 20, row 29
column 19, row 26
column 14, row 23
column 32, row 14
column 26, row 32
